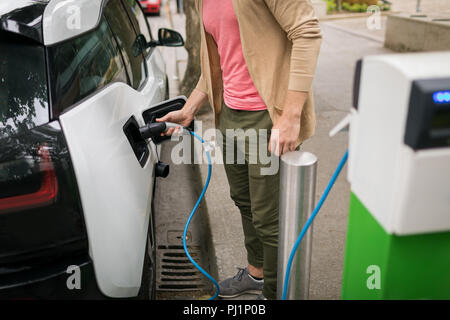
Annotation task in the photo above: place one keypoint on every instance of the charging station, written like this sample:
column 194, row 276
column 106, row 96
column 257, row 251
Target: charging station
column 398, row 236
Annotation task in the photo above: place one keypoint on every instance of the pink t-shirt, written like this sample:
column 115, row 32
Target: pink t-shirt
column 220, row 21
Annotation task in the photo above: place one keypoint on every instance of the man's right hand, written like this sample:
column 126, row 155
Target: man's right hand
column 180, row 116
column 186, row 115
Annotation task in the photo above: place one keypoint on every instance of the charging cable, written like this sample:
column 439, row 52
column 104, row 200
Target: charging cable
column 206, row 274
column 155, row 129
column 309, row 222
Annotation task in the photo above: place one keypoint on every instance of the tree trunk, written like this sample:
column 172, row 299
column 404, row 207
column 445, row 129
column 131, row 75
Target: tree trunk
column 192, row 46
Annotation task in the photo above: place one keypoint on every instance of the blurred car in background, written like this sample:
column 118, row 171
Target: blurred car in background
column 151, row 6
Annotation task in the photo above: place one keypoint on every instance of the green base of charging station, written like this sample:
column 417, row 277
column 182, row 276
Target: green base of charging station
column 379, row 265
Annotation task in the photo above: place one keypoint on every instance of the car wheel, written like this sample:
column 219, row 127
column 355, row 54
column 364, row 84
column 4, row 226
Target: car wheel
column 148, row 282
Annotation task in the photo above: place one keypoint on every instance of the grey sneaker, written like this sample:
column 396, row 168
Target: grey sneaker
column 261, row 297
column 240, row 284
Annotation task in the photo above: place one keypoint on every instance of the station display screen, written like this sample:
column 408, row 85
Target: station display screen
column 428, row 120
column 441, row 119
column 441, row 97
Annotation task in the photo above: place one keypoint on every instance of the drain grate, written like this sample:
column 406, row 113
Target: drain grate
column 176, row 272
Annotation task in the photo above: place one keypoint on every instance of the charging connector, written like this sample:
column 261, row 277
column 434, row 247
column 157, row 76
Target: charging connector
column 153, row 129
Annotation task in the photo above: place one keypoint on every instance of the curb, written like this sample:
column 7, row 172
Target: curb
column 221, row 214
column 341, row 16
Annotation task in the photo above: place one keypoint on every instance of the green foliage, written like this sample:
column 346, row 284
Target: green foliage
column 331, row 5
column 362, row 5
column 356, row 7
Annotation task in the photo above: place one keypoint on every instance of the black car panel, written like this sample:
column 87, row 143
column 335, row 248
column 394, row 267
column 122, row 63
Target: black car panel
column 23, row 84
column 23, row 17
column 41, row 218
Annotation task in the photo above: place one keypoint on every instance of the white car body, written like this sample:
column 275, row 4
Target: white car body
column 115, row 189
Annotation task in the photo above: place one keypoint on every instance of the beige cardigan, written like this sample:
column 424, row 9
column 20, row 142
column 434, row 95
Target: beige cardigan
column 281, row 42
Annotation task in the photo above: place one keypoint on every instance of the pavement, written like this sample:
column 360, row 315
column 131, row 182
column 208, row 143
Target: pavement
column 344, row 42
column 333, row 84
column 358, row 27
column 426, row 6
column 353, row 23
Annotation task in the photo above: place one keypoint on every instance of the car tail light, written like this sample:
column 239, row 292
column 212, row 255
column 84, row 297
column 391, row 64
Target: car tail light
column 44, row 195
column 42, row 228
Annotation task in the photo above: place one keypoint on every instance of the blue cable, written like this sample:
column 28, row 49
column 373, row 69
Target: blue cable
column 298, row 241
column 192, row 214
column 310, row 220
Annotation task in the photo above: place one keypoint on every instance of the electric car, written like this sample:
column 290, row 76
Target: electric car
column 151, row 6
column 77, row 79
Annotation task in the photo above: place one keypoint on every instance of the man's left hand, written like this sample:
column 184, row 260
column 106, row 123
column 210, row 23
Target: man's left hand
column 286, row 130
column 284, row 135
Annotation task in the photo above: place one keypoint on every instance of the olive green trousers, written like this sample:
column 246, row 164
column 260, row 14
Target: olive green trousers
column 255, row 194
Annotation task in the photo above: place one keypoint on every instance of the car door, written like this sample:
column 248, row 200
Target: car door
column 113, row 165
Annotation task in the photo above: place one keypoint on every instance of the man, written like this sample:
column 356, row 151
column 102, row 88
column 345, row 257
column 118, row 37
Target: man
column 258, row 59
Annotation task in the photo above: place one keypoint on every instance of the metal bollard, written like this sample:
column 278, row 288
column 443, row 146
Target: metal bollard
column 298, row 171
